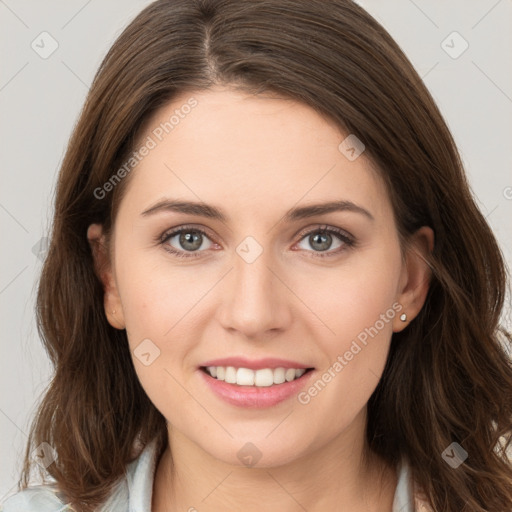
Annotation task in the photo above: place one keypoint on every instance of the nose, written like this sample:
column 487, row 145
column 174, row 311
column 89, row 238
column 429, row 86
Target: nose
column 255, row 302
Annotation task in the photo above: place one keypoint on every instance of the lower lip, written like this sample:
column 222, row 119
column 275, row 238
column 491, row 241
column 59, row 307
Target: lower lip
column 252, row 396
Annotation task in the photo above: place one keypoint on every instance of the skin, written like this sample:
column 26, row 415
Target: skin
column 256, row 157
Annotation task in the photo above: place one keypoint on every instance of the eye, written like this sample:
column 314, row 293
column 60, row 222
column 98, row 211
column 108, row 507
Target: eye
column 321, row 239
column 188, row 239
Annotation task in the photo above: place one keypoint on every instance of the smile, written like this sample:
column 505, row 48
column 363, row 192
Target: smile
column 264, row 377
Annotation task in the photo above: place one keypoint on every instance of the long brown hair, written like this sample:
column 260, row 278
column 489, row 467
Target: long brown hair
column 448, row 377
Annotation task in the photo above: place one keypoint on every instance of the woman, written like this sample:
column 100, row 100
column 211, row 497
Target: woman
column 268, row 285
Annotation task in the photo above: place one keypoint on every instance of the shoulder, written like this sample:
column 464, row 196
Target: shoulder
column 133, row 491
column 39, row 498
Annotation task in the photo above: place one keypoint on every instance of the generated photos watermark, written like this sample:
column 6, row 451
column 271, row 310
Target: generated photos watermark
column 151, row 142
column 357, row 345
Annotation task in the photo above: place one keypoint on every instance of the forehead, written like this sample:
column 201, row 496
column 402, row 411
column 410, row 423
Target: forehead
column 249, row 153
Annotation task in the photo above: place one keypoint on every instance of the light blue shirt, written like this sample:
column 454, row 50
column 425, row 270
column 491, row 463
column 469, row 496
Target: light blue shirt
column 133, row 493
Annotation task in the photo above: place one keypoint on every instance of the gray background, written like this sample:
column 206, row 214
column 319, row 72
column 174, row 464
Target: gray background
column 40, row 99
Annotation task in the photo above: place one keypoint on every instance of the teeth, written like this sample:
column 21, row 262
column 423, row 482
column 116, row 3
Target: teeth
column 221, row 372
column 244, row 377
column 279, row 375
column 290, row 374
column 230, row 375
column 263, row 377
column 259, row 378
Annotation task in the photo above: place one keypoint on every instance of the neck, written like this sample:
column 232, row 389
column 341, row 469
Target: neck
column 332, row 477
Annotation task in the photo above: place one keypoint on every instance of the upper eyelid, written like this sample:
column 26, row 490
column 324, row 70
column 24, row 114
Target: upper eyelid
column 324, row 227
column 171, row 233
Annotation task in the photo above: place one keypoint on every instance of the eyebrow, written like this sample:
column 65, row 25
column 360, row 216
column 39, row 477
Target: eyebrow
column 297, row 213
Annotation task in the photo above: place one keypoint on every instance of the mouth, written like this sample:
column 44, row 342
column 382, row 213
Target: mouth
column 254, row 383
column 257, row 378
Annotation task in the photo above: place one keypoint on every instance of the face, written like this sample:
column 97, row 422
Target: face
column 257, row 280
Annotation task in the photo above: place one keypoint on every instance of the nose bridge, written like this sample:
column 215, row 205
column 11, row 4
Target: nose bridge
column 254, row 300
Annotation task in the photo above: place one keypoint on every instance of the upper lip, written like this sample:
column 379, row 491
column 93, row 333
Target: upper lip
column 256, row 364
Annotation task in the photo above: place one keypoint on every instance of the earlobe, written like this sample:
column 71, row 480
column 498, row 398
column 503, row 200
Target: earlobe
column 416, row 277
column 115, row 318
column 103, row 269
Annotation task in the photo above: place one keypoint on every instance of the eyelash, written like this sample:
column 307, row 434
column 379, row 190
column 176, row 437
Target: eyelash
column 347, row 240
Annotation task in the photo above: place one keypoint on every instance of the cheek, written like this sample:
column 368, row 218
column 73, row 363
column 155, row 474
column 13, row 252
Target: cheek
column 355, row 304
column 157, row 298
column 352, row 297
column 158, row 306
column 362, row 299
column 159, row 310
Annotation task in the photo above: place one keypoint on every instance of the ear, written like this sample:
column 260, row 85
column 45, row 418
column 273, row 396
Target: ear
column 415, row 277
column 103, row 269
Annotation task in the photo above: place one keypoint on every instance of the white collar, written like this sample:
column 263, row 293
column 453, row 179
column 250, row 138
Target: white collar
column 141, row 473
